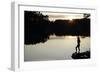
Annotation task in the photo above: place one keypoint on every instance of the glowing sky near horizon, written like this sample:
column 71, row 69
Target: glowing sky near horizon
column 63, row 16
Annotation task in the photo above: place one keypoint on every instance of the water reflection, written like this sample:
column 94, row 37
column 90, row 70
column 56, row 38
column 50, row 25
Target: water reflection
column 57, row 48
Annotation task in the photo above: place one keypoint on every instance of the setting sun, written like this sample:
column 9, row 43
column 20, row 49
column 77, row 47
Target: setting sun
column 71, row 18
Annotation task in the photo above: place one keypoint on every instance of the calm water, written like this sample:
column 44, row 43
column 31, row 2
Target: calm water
column 55, row 49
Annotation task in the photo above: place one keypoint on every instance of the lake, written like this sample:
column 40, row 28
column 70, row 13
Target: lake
column 59, row 48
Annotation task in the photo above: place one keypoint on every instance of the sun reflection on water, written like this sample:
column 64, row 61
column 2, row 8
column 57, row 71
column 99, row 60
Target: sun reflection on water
column 70, row 37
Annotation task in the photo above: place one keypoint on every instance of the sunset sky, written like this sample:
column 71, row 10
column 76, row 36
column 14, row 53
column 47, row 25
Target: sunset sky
column 64, row 16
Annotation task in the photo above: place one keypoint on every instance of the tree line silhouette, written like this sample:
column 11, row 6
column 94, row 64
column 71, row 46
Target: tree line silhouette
column 38, row 27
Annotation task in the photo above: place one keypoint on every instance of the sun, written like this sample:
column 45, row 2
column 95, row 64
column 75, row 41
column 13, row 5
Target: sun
column 70, row 18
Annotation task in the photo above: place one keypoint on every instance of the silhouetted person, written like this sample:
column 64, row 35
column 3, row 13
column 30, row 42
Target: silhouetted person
column 78, row 45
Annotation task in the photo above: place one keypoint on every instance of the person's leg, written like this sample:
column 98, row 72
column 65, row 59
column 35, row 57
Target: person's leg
column 78, row 48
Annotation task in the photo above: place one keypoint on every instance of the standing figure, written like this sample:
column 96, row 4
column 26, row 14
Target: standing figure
column 78, row 45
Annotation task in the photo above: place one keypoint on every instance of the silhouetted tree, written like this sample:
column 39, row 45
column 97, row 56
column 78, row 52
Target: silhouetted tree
column 36, row 27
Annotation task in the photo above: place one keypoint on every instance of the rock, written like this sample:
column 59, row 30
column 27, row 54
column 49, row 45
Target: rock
column 82, row 55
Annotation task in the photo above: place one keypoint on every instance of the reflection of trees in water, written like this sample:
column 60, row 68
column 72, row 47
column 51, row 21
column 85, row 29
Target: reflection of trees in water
column 38, row 28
